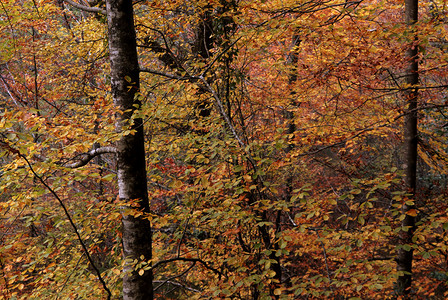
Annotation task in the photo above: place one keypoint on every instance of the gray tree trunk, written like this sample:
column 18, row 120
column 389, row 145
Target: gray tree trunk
column 131, row 152
column 405, row 257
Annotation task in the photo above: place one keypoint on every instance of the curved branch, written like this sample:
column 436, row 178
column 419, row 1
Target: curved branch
column 171, row 76
column 169, row 280
column 222, row 111
column 73, row 225
column 180, row 285
column 84, row 158
column 86, row 8
column 194, row 260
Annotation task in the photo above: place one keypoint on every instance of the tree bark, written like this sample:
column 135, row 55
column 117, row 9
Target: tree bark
column 130, row 148
column 405, row 257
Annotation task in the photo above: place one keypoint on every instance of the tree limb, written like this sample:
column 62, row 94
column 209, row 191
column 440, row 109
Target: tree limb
column 222, row 111
column 169, row 280
column 84, row 158
column 195, row 260
column 72, row 223
column 175, row 284
column 86, row 8
column 171, row 76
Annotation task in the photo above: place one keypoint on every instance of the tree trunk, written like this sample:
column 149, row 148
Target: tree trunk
column 131, row 152
column 404, row 257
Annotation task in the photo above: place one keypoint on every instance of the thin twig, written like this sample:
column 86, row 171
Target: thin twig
column 174, row 277
column 171, row 76
column 219, row 55
column 68, row 277
column 186, row 225
column 72, row 223
column 165, row 261
column 325, row 254
column 222, row 111
column 176, row 284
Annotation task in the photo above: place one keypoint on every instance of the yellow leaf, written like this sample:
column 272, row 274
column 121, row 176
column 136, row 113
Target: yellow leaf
column 141, row 272
column 116, row 271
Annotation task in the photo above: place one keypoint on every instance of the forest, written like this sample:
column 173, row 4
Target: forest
column 223, row 149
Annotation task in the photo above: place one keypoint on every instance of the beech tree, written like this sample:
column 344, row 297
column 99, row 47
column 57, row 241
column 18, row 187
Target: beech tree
column 405, row 254
column 131, row 166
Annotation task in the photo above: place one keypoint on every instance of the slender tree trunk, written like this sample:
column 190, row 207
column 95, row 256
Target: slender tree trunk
column 404, row 257
column 131, row 153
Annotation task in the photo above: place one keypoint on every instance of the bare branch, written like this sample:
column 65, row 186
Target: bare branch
column 219, row 55
column 325, row 255
column 171, row 76
column 169, row 280
column 72, row 223
column 175, row 284
column 222, row 111
column 195, row 260
column 84, row 158
column 86, row 8
column 69, row 275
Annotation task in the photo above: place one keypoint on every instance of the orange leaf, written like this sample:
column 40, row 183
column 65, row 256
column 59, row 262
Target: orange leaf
column 411, row 212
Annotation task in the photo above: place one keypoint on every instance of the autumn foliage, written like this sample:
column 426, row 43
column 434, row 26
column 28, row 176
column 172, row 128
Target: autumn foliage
column 274, row 150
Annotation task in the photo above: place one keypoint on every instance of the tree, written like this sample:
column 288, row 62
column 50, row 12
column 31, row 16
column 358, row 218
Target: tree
column 405, row 254
column 131, row 166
